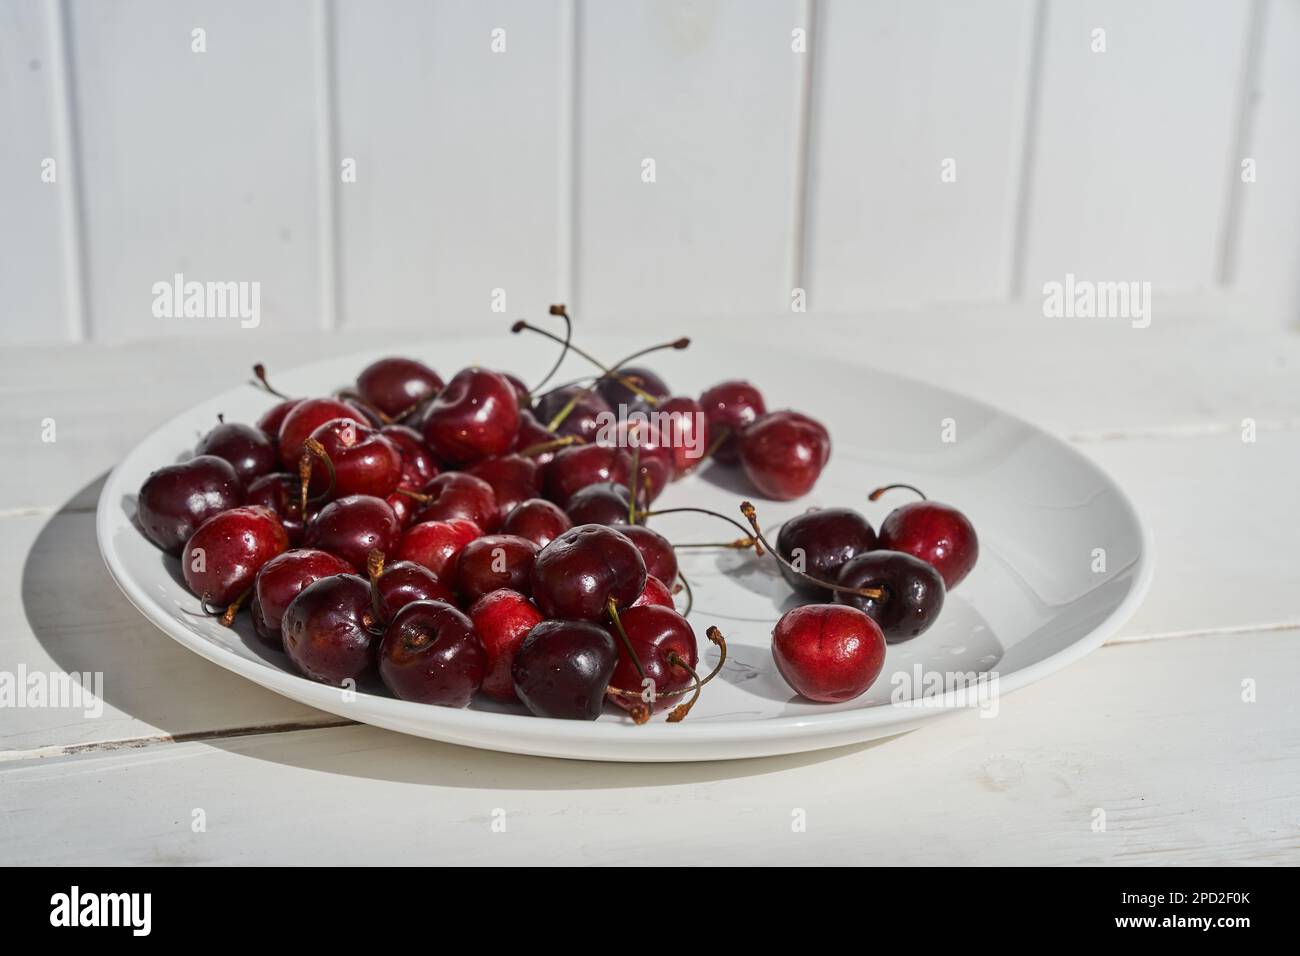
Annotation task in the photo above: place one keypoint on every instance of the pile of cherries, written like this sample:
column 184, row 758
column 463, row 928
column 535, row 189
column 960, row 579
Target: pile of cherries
column 477, row 535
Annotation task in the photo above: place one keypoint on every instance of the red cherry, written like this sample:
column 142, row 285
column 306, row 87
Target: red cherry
column 305, row 418
column 660, row 558
column 458, row 494
column 280, row 580
column 656, row 592
column 513, row 478
column 657, row 635
column 911, row 592
column 828, row 652
column 223, row 556
column 731, row 405
column 684, row 431
column 936, row 533
column 583, row 465
column 616, row 392
column 639, row 444
column 607, row 502
column 492, row 562
column 588, row 410
column 328, row 630
column 403, row 582
column 538, row 520
column 176, row 499
column 502, row 620
column 819, row 542
column 437, row 544
column 474, row 416
column 354, row 526
column 584, row 570
column 532, row 433
column 274, row 417
column 247, row 449
column 562, row 669
column 418, row 464
column 404, row 507
column 784, row 453
column 431, row 655
column 363, row 461
column 280, row 493
column 522, row 395
column 397, row 385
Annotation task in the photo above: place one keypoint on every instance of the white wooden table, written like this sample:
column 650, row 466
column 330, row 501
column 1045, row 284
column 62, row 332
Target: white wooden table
column 1152, row 729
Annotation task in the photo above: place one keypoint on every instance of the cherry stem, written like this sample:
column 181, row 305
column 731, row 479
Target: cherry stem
column 416, row 495
column 612, row 606
column 312, row 448
column 607, row 371
column 562, row 442
column 875, row 594
column 228, row 616
column 740, row 544
column 758, row 549
column 716, row 637
column 259, row 372
column 356, row 399
column 875, row 495
column 723, row 434
column 681, row 710
column 690, row 595
column 563, row 313
column 375, row 570
column 632, row 495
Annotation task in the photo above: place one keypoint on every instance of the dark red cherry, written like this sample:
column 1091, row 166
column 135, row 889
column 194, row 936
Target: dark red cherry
column 458, row 494
column 247, row 449
column 538, row 520
column 280, row 580
column 936, row 533
column 437, row 544
column 616, row 393
column 281, row 494
column 354, row 526
column 828, row 652
column 583, row 465
column 274, row 417
column 660, row 558
column 656, row 635
column 522, row 395
column 431, row 655
column 403, row 582
column 223, row 556
column 682, row 428
column 819, row 542
column 418, row 464
column 784, row 453
column 397, row 385
column 913, row 589
column 502, row 620
column 531, row 434
column 492, row 562
column 329, row 630
column 656, row 592
column 732, row 405
column 562, row 669
column 606, row 502
column 176, row 499
column 513, row 478
column 579, row 573
column 476, row 415
column 305, row 417
column 589, row 411
column 638, row 445
column 364, row 461
column 404, row 507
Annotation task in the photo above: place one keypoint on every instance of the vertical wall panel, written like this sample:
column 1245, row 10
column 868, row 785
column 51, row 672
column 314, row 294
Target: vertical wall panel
column 898, row 89
column 37, row 279
column 198, row 163
column 457, row 150
column 1132, row 145
column 707, row 90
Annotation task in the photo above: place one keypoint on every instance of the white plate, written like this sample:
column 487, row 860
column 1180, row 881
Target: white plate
column 1033, row 604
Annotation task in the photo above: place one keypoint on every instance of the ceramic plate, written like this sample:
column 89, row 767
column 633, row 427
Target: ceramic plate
column 1064, row 560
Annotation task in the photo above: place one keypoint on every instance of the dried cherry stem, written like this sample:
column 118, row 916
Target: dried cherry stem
column 311, row 449
column 259, row 372
column 875, row 495
column 758, row 548
column 875, row 594
column 228, row 616
column 375, row 570
column 612, row 606
column 679, row 712
column 716, row 637
column 562, row 442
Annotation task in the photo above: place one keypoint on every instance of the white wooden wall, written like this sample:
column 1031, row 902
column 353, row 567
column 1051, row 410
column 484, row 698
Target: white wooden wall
column 522, row 170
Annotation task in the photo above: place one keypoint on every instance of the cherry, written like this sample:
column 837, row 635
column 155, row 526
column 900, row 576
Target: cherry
column 783, row 453
column 639, row 449
column 660, row 558
column 615, row 390
column 728, row 407
column 403, row 582
column 656, row 592
column 476, row 415
column 819, row 542
column 437, row 544
column 538, row 520
column 913, row 592
column 431, row 655
column 533, row 434
column 502, row 620
column 492, row 562
column 522, row 395
column 363, row 461
column 176, row 499
column 665, row 649
column 280, row 493
column 587, row 571
column 606, row 502
column 274, row 417
column 563, row 667
column 223, row 556
column 513, row 478
column 418, row 464
column 575, row 468
column 458, row 494
column 305, row 418
column 354, row 526
column 404, row 507
column 828, row 652
column 395, row 386
column 684, row 431
column 246, row 448
column 934, row 532
column 328, row 629
column 573, row 410
column 280, row 580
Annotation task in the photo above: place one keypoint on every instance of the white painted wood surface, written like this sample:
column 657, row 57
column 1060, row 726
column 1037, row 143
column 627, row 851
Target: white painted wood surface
column 1155, row 732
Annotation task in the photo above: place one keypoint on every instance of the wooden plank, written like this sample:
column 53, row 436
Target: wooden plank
column 709, row 92
column 899, row 90
column 1026, row 787
column 203, row 164
column 457, row 152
